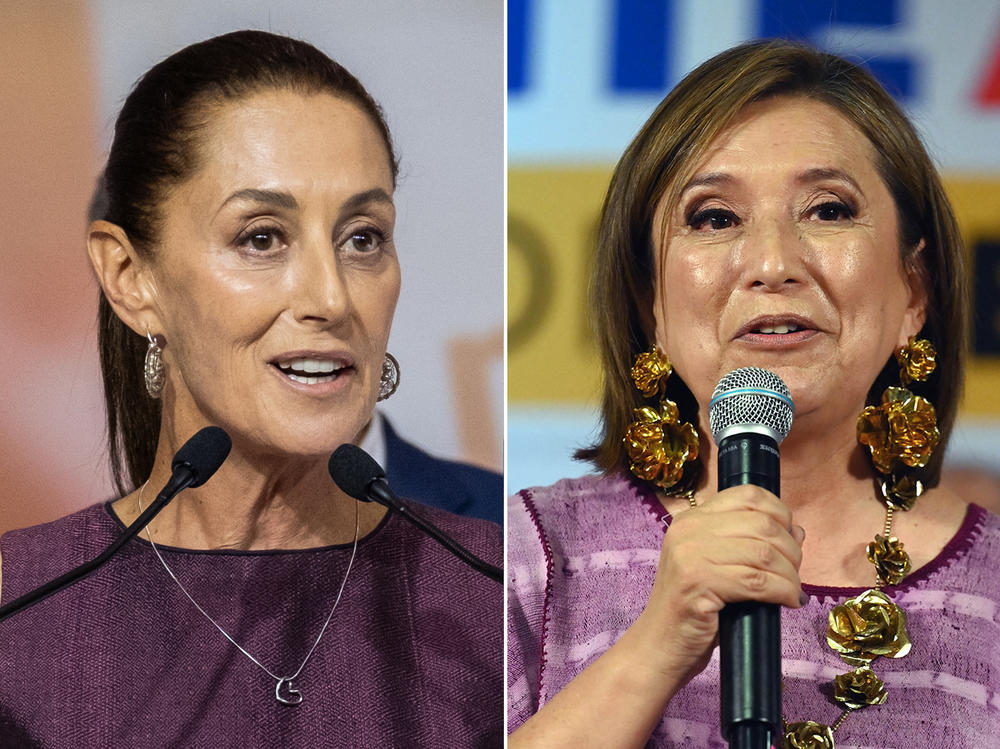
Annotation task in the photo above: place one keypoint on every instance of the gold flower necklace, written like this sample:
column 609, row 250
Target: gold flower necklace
column 860, row 630
column 901, row 433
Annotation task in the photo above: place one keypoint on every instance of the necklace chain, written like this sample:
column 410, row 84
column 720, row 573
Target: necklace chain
column 285, row 691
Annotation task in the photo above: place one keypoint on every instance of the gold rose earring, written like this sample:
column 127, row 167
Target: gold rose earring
column 659, row 446
column 152, row 369
column 901, row 433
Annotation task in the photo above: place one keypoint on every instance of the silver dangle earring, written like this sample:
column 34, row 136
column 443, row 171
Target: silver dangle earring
column 389, row 381
column 153, row 368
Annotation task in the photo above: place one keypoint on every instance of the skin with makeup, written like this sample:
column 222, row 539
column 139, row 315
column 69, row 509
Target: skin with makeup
column 274, row 288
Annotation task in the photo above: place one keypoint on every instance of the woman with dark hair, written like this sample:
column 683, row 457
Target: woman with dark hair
column 776, row 211
column 249, row 278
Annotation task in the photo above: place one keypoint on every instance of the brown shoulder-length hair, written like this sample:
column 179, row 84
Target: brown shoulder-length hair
column 665, row 153
column 155, row 148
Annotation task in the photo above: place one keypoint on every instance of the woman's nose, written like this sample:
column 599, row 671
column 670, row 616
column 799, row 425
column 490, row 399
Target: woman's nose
column 773, row 255
column 321, row 292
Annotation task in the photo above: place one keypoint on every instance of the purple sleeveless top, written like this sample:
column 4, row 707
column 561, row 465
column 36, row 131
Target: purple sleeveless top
column 412, row 656
column 581, row 557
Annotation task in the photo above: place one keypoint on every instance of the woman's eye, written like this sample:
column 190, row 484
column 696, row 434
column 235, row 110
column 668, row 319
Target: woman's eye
column 713, row 219
column 262, row 240
column 365, row 241
column 833, row 211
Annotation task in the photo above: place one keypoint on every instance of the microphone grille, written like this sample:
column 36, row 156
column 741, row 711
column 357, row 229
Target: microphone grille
column 203, row 453
column 751, row 399
column 352, row 469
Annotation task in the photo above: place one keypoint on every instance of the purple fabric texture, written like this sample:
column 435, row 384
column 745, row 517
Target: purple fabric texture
column 581, row 559
column 412, row 656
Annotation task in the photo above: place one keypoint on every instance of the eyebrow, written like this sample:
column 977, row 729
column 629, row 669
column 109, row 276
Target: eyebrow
column 275, row 198
column 821, row 173
column 287, row 201
column 708, row 179
column 816, row 174
column 375, row 195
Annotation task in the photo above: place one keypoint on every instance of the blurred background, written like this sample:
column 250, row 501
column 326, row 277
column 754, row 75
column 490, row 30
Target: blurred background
column 437, row 69
column 583, row 77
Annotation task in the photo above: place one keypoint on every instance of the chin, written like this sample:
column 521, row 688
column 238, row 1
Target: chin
column 313, row 442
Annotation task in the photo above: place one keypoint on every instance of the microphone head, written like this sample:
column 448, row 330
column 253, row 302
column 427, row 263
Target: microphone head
column 203, row 454
column 353, row 470
column 751, row 400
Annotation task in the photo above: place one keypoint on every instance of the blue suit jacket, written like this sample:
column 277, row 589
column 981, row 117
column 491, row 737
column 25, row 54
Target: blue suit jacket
column 456, row 487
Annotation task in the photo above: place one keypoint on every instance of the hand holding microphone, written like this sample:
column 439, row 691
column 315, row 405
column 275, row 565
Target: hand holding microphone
column 738, row 545
column 750, row 413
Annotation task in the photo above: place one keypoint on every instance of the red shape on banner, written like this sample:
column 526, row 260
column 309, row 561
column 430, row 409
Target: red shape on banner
column 988, row 94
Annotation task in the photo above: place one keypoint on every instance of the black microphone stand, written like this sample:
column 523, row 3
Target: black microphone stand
column 379, row 491
column 182, row 478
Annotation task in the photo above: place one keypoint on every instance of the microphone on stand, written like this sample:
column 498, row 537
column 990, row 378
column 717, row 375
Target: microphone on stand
column 359, row 475
column 750, row 414
column 194, row 464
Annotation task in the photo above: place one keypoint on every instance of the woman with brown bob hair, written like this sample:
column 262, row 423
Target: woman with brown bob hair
column 776, row 211
column 249, row 279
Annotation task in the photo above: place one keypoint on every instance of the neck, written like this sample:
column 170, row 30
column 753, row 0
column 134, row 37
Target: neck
column 821, row 467
column 254, row 502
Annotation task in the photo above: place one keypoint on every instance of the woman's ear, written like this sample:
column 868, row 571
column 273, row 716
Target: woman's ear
column 915, row 273
column 124, row 276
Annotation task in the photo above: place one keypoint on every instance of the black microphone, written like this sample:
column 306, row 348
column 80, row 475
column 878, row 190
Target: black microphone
column 750, row 414
column 193, row 465
column 360, row 476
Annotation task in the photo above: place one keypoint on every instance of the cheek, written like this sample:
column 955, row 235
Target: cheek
column 693, row 303
column 212, row 316
column 693, row 295
column 866, row 283
column 374, row 300
column 392, row 285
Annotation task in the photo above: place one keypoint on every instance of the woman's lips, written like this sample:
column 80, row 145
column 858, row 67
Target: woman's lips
column 777, row 331
column 310, row 371
column 312, row 378
column 315, row 383
column 777, row 340
column 313, row 372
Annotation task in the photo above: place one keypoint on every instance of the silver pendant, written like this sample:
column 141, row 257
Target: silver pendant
column 287, row 693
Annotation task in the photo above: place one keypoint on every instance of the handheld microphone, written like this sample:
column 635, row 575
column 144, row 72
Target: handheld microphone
column 750, row 414
column 359, row 475
column 194, row 464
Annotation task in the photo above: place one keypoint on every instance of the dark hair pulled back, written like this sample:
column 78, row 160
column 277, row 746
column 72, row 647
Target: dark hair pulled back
column 155, row 148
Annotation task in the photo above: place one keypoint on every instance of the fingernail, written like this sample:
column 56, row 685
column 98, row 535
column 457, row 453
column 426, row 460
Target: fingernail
column 803, row 598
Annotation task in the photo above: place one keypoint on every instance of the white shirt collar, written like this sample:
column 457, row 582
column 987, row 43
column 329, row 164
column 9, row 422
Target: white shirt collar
column 373, row 441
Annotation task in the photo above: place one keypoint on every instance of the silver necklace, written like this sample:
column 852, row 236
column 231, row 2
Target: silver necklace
column 286, row 690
